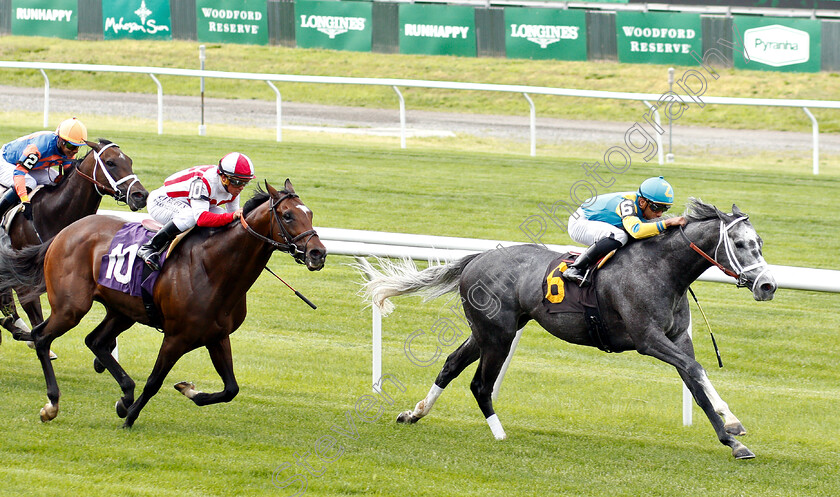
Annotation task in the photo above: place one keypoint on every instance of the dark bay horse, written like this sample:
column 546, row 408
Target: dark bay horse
column 104, row 170
column 200, row 292
column 641, row 291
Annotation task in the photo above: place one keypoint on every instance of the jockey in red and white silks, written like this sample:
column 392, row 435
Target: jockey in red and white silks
column 205, row 196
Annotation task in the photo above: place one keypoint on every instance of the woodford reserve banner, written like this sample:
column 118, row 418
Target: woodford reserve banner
column 333, row 25
column 545, row 34
column 437, row 30
column 136, row 20
column 658, row 38
column 56, row 18
column 232, row 21
column 779, row 44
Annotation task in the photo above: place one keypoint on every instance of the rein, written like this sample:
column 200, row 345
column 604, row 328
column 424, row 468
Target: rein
column 289, row 242
column 730, row 253
column 102, row 189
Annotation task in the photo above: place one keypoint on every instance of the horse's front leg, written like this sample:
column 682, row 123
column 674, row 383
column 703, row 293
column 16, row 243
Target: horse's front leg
column 170, row 351
column 101, row 342
column 730, row 423
column 656, row 344
column 222, row 359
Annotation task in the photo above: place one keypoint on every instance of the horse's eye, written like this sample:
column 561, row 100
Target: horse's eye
column 288, row 217
column 739, row 245
column 110, row 164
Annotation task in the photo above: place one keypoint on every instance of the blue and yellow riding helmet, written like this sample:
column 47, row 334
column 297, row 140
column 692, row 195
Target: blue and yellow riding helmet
column 657, row 190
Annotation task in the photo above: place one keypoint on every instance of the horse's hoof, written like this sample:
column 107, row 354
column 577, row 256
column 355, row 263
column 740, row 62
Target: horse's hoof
column 53, row 356
column 187, row 388
column 48, row 412
column 98, row 366
column 122, row 410
column 740, row 451
column 736, row 429
column 407, row 418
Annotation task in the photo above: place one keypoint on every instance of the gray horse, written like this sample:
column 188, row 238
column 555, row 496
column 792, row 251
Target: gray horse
column 642, row 296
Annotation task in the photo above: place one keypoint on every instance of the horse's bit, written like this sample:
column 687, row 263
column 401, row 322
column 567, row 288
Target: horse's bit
column 740, row 271
column 113, row 190
column 288, row 245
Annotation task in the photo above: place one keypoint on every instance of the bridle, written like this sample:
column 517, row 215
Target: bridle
column 738, row 271
column 102, row 189
column 288, row 244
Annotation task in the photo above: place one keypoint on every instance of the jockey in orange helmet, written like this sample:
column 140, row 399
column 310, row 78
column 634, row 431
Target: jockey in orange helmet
column 27, row 162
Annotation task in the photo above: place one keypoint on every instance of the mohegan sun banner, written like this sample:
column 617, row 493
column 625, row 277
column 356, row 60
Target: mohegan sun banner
column 136, row 19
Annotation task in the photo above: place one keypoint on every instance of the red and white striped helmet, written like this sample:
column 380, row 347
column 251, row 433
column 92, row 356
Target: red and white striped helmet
column 237, row 165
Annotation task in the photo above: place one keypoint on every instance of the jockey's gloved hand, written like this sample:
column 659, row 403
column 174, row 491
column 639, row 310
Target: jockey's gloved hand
column 27, row 211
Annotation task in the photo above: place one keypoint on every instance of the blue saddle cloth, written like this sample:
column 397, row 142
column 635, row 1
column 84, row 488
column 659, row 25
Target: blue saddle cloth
column 121, row 269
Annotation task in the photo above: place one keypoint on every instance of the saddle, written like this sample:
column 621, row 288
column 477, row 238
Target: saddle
column 560, row 296
column 153, row 226
column 10, row 214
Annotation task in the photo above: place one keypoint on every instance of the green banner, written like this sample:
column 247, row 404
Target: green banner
column 333, row 25
column 437, row 30
column 658, row 38
column 545, row 34
column 56, row 18
column 232, row 21
column 136, row 19
column 779, row 44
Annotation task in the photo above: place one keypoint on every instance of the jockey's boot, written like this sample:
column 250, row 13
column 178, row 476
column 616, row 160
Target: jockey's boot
column 9, row 200
column 150, row 252
column 579, row 269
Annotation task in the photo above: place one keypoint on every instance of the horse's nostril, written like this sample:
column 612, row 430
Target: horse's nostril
column 767, row 287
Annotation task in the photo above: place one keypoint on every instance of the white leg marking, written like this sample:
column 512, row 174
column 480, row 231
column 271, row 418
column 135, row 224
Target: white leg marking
column 496, row 427
column 22, row 325
column 424, row 406
column 721, row 407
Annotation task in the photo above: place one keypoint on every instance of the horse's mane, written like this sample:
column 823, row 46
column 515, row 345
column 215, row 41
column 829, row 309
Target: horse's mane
column 697, row 210
column 259, row 197
column 73, row 167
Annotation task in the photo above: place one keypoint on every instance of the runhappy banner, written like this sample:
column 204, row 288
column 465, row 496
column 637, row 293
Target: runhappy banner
column 232, row 21
column 136, row 20
column 56, row 18
column 437, row 30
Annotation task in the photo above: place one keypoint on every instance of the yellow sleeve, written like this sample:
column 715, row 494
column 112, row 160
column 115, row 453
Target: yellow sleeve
column 638, row 229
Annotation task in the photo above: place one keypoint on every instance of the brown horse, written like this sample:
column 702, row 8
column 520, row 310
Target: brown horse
column 104, row 170
column 200, row 292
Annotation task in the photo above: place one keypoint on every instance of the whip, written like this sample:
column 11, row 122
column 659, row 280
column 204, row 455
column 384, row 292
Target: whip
column 300, row 295
column 714, row 343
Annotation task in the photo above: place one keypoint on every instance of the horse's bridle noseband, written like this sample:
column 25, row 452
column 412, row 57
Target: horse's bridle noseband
column 288, row 244
column 738, row 272
column 102, row 189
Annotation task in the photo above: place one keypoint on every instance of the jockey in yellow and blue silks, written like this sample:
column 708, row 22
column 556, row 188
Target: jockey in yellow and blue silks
column 28, row 161
column 608, row 221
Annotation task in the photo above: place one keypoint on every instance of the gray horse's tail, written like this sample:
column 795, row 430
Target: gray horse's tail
column 22, row 270
column 403, row 278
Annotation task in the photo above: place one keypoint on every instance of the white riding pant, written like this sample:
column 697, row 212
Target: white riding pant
column 164, row 208
column 587, row 232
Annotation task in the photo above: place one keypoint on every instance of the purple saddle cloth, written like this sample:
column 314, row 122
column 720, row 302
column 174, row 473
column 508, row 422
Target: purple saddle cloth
column 121, row 269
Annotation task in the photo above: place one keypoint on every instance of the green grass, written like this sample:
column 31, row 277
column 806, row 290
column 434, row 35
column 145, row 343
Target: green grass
column 279, row 60
column 580, row 422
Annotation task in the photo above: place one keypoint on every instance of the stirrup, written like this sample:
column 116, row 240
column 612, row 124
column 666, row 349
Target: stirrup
column 150, row 259
column 576, row 276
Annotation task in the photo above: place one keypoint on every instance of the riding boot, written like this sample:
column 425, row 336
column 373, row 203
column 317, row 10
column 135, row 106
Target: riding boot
column 9, row 200
column 150, row 252
column 579, row 270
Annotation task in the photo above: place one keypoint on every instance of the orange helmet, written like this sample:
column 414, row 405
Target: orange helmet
column 72, row 131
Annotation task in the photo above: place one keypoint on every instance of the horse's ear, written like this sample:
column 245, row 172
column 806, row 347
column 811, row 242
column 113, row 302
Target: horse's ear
column 738, row 212
column 719, row 213
column 289, row 188
column 270, row 189
column 93, row 145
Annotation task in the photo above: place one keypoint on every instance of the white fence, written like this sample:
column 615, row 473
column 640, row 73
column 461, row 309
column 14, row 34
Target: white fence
column 361, row 243
column 270, row 79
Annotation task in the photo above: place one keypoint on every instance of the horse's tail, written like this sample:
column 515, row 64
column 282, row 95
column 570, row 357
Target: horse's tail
column 403, row 278
column 22, row 269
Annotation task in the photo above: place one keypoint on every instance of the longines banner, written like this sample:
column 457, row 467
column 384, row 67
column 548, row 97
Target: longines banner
column 333, row 25
column 545, row 34
column 779, row 44
column 136, row 19
column 437, row 30
column 232, row 21
column 56, row 18
column 658, row 38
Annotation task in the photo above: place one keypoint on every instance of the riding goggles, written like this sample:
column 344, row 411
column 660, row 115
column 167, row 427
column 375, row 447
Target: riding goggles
column 654, row 207
column 236, row 182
